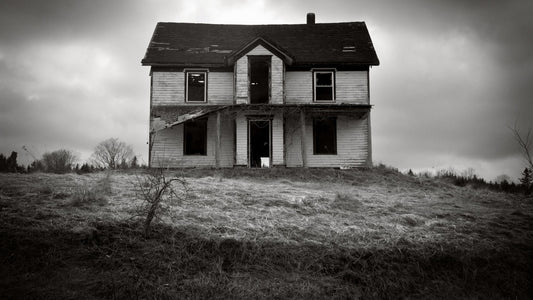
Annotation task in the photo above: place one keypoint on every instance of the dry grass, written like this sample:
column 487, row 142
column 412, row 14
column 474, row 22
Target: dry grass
column 275, row 233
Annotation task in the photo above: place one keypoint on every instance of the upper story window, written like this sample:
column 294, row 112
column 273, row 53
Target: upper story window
column 196, row 86
column 324, row 85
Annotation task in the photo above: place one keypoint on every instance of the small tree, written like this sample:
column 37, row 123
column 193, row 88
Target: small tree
column 59, row 161
column 157, row 190
column 11, row 162
column 111, row 152
column 134, row 164
column 527, row 180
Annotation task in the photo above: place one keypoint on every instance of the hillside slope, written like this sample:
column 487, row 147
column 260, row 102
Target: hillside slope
column 264, row 234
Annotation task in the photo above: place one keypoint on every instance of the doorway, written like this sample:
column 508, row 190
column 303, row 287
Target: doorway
column 259, row 137
column 259, row 79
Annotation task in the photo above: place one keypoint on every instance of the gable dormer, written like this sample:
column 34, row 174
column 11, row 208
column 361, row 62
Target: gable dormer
column 259, row 70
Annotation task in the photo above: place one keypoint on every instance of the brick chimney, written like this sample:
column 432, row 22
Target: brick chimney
column 310, row 18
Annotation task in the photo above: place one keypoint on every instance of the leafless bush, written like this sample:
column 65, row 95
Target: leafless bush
column 59, row 161
column 111, row 153
column 88, row 195
column 157, row 190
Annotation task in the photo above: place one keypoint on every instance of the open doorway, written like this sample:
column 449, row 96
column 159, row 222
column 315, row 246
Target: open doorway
column 259, row 143
column 259, row 79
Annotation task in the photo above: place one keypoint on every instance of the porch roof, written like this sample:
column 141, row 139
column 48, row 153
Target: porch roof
column 178, row 114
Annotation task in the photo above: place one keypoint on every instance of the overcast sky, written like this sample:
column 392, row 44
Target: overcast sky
column 454, row 75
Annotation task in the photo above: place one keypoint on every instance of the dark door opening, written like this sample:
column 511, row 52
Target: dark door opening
column 259, row 79
column 259, row 147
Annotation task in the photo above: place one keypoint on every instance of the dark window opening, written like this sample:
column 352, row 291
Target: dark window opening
column 196, row 83
column 325, row 136
column 195, row 137
column 259, row 79
column 324, row 82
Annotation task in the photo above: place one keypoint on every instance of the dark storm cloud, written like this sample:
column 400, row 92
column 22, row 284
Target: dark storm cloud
column 70, row 73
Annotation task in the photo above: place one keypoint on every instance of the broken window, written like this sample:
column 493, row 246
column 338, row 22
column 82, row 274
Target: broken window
column 195, row 137
column 324, row 85
column 195, row 90
column 325, row 136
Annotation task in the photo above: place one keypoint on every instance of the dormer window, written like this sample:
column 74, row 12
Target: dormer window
column 195, row 88
column 324, row 85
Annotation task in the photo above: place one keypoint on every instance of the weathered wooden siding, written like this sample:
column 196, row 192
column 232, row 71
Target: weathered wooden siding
column 276, row 80
column 242, row 80
column 352, row 143
column 168, row 88
column 293, row 149
column 350, row 87
column 277, row 140
column 167, row 149
column 241, row 151
column 220, row 88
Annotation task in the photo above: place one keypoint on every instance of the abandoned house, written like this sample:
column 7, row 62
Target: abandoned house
column 260, row 95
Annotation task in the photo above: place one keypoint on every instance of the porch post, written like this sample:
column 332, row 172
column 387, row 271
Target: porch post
column 302, row 138
column 217, row 144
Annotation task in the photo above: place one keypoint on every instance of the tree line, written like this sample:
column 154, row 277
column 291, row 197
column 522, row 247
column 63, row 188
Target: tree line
column 109, row 154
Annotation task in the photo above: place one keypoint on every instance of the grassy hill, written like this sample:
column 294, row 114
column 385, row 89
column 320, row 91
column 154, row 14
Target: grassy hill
column 278, row 233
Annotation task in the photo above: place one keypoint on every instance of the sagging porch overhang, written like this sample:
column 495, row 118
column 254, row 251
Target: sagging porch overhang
column 171, row 116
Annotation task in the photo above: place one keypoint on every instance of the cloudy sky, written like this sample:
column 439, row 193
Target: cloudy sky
column 454, row 74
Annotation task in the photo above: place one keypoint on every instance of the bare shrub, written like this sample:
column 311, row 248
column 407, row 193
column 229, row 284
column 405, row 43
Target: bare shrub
column 59, row 161
column 111, row 153
column 90, row 195
column 157, row 190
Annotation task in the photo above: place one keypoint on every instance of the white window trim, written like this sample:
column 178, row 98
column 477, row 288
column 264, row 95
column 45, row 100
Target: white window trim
column 186, row 73
column 333, row 87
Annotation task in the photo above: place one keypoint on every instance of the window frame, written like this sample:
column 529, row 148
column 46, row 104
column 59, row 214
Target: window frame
column 332, row 86
column 205, row 72
column 315, row 139
column 185, row 125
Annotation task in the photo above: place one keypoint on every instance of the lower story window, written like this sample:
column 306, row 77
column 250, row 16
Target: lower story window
column 325, row 136
column 195, row 137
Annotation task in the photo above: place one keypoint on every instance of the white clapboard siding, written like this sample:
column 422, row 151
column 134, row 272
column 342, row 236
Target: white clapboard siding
column 298, row 87
column 352, row 144
column 220, row 88
column 350, row 87
column 241, row 76
column 168, row 88
column 241, row 80
column 276, row 80
column 277, row 140
column 167, row 149
column 293, row 149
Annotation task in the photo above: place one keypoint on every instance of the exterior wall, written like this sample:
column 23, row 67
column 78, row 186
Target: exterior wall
column 350, row 87
column 168, row 88
column 242, row 80
column 167, row 149
column 352, row 143
column 241, row 151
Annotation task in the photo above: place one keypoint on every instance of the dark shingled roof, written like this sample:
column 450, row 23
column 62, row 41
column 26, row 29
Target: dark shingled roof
column 188, row 44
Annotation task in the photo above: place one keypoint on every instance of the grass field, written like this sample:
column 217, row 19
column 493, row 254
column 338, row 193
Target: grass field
column 276, row 233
